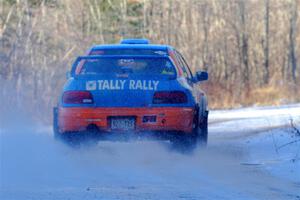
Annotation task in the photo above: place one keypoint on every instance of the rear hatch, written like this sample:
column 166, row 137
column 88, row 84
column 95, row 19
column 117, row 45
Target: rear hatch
column 110, row 91
column 125, row 81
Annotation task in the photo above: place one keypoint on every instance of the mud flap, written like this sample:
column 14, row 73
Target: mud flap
column 203, row 129
column 55, row 123
column 184, row 142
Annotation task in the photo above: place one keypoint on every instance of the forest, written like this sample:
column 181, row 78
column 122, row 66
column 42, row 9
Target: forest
column 250, row 48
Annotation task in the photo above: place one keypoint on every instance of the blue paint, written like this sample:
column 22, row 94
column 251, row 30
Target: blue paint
column 127, row 96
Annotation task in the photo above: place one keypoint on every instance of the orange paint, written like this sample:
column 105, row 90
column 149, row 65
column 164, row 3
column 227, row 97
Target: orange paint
column 167, row 119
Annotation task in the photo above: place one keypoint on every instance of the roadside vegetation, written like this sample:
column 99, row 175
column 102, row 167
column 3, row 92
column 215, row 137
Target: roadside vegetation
column 251, row 49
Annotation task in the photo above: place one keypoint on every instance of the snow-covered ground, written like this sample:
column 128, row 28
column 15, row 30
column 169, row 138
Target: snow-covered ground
column 245, row 159
column 246, row 121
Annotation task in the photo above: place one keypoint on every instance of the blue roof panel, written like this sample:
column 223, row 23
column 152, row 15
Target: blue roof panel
column 131, row 46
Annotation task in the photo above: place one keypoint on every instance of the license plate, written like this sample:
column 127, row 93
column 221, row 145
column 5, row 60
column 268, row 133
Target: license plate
column 122, row 124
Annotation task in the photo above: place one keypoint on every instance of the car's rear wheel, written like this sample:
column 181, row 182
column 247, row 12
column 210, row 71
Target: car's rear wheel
column 184, row 141
column 56, row 132
column 73, row 138
column 199, row 135
column 200, row 130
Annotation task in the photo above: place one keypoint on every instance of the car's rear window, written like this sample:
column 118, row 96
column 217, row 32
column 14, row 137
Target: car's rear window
column 137, row 66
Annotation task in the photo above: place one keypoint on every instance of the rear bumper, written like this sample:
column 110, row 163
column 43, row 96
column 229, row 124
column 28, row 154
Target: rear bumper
column 167, row 118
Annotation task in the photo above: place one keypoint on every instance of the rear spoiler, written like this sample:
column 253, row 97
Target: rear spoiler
column 135, row 41
column 78, row 59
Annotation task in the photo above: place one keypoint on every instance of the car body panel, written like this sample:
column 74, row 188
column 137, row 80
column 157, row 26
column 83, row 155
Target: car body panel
column 167, row 119
column 131, row 96
column 126, row 97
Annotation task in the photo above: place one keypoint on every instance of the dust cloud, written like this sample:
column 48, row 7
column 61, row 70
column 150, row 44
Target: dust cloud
column 36, row 166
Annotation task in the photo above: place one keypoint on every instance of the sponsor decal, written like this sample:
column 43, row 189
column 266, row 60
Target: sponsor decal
column 91, row 85
column 122, row 85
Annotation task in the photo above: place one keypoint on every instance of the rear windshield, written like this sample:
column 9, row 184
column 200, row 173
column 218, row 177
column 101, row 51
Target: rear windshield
column 136, row 66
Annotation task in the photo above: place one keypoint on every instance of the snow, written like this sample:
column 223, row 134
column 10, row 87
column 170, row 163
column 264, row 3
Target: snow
column 262, row 131
column 287, row 111
column 246, row 121
column 241, row 162
column 280, row 155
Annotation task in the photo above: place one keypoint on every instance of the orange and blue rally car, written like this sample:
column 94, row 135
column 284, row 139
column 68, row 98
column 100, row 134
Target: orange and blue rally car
column 133, row 87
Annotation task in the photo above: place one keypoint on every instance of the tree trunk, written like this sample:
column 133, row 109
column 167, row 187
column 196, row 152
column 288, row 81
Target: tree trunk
column 266, row 43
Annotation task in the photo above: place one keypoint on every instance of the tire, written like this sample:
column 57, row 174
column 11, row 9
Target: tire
column 56, row 132
column 203, row 132
column 201, row 129
column 184, row 142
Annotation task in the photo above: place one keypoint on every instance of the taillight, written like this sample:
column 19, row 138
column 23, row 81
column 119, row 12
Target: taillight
column 172, row 97
column 77, row 97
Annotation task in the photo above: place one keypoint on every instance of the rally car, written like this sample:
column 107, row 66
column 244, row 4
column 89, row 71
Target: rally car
column 133, row 87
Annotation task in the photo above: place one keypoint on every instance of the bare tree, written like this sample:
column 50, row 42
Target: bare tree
column 292, row 39
column 250, row 48
column 266, row 42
